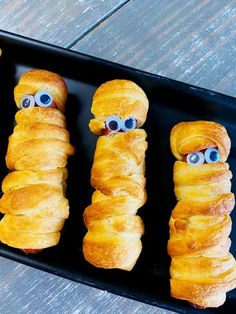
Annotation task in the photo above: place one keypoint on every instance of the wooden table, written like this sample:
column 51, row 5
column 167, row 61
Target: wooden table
column 193, row 41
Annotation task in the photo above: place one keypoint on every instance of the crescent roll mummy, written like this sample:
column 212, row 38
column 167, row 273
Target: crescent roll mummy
column 33, row 202
column 114, row 229
column 202, row 269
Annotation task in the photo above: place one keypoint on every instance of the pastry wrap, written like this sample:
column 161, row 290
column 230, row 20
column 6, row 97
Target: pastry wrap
column 117, row 175
column 202, row 269
column 34, row 201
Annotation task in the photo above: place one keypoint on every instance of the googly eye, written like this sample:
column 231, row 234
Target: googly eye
column 27, row 102
column 212, row 155
column 43, row 98
column 114, row 123
column 129, row 124
column 196, row 158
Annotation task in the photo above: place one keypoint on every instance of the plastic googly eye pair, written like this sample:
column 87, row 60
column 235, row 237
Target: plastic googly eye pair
column 41, row 98
column 211, row 156
column 115, row 124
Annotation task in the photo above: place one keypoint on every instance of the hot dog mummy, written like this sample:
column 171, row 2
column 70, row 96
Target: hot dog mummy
column 114, row 230
column 33, row 202
column 202, row 269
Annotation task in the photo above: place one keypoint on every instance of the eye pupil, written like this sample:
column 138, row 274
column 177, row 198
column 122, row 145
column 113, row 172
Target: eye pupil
column 113, row 125
column 129, row 123
column 194, row 158
column 214, row 156
column 26, row 103
column 45, row 99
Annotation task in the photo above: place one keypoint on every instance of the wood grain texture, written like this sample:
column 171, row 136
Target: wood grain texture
column 58, row 22
column 191, row 41
column 27, row 290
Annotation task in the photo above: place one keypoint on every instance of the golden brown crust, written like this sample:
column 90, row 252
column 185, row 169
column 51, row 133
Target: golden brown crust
column 103, row 209
column 185, row 174
column 39, row 130
column 111, row 250
column 113, row 242
column 37, row 154
column 22, row 240
column 195, row 282
column 193, row 136
column 33, row 202
column 18, row 179
column 120, row 97
column 114, row 229
column 202, row 295
column 31, row 224
column 206, row 180
column 32, row 199
column 208, row 206
column 40, row 115
column 128, row 225
column 202, row 269
column 127, row 148
column 37, row 144
column 197, row 234
column 116, row 201
column 36, row 80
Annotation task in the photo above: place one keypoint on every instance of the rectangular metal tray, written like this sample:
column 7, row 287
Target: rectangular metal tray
column 170, row 103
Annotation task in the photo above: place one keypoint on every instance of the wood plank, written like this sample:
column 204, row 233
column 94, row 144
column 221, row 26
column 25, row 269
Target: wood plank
column 28, row 290
column 192, row 41
column 58, row 22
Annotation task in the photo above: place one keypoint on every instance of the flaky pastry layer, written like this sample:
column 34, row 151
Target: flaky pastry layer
column 34, row 200
column 117, row 174
column 202, row 269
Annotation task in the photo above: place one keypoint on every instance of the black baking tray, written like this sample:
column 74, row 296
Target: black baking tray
column 170, row 103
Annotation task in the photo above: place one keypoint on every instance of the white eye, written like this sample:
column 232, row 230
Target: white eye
column 27, row 102
column 129, row 124
column 114, row 123
column 43, row 98
column 196, row 158
column 212, row 155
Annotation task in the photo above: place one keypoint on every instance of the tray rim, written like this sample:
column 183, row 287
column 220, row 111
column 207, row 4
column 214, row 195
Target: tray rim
column 62, row 51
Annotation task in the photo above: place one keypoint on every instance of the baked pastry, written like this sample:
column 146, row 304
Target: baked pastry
column 127, row 98
column 114, row 229
column 202, row 269
column 34, row 200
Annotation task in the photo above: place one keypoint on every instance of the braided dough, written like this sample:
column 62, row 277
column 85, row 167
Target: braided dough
column 202, row 269
column 114, row 229
column 33, row 202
